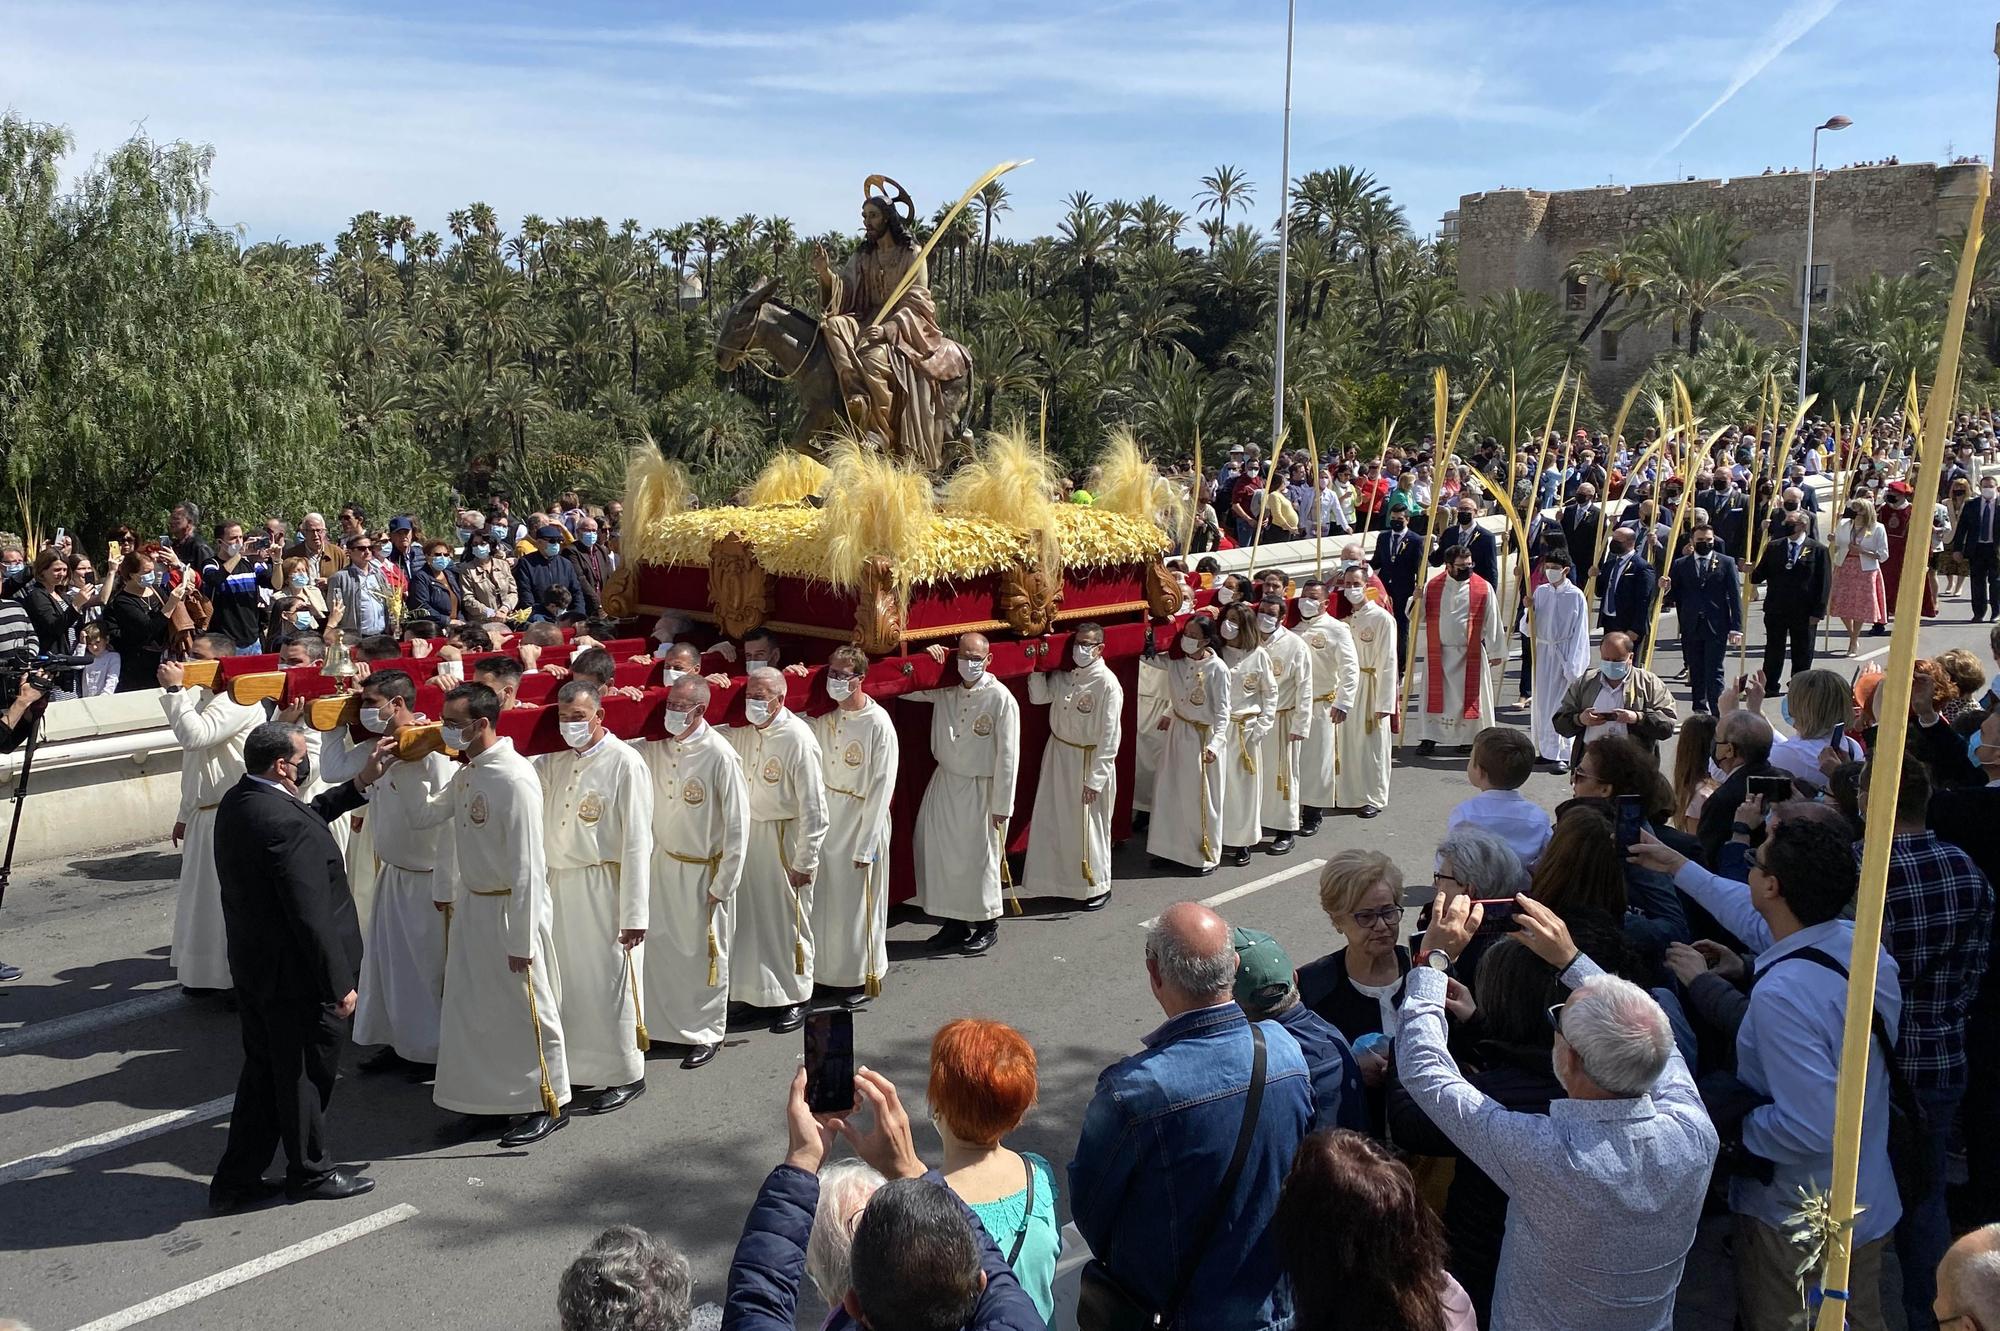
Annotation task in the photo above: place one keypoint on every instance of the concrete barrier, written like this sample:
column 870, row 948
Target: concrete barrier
column 107, row 773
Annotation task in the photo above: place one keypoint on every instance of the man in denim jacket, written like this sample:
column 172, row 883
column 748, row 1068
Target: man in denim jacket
column 1158, row 1136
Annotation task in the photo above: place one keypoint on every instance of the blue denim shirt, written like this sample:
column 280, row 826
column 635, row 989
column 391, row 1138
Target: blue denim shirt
column 1156, row 1141
column 1339, row 1100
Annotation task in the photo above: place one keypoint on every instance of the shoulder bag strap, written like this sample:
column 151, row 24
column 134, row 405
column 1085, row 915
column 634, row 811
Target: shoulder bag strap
column 1253, row 1104
column 1899, row 1087
column 1027, row 1212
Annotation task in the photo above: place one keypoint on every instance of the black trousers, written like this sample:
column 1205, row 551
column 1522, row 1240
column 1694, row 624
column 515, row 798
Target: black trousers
column 1799, row 633
column 1705, row 656
column 1985, row 581
column 291, row 1055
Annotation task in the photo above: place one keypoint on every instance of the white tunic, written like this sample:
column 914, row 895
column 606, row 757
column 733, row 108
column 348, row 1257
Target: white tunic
column 1151, row 741
column 1454, row 622
column 597, row 826
column 774, row 938
column 342, row 755
column 1365, row 737
column 976, row 740
column 701, row 828
column 1187, row 797
column 1252, row 713
column 1292, row 724
column 1562, row 654
column 211, row 728
column 859, row 755
column 501, row 1036
column 1069, row 842
column 402, row 954
column 1335, row 681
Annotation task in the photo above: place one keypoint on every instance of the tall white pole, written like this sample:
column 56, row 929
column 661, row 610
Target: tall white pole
column 1284, row 238
column 1805, row 286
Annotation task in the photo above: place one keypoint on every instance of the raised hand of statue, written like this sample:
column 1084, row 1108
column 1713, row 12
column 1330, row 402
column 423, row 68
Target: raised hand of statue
column 822, row 267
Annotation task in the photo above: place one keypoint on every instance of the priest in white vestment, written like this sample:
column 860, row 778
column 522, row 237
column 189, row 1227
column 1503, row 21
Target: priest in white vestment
column 597, row 827
column 859, row 755
column 1069, row 834
column 211, row 727
column 961, row 832
column 701, row 829
column 1334, row 679
column 1465, row 635
column 1562, row 653
column 1367, row 736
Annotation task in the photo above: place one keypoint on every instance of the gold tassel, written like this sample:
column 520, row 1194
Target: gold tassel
column 1207, row 845
column 714, row 953
column 1007, row 874
column 549, row 1105
column 871, row 982
column 1089, row 878
column 638, row 1013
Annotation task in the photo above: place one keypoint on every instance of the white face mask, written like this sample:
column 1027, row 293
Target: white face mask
column 1189, row 646
column 840, row 690
column 451, row 672
column 454, row 738
column 1083, row 655
column 1267, row 623
column 670, row 674
column 970, row 669
column 1224, row 595
column 1309, row 609
column 1229, row 630
column 757, row 711
column 374, row 720
column 576, row 734
column 1354, row 595
column 678, row 722
column 1558, row 576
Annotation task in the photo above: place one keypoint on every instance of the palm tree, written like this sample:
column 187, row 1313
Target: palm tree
column 1378, row 225
column 711, row 233
column 992, row 202
column 1609, row 267
column 1088, row 238
column 1331, row 201
column 1222, row 189
column 1000, row 364
column 1689, row 266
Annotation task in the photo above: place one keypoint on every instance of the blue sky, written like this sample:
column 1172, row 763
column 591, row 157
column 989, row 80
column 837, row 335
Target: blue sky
column 318, row 109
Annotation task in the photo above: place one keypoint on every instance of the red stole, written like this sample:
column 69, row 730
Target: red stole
column 1474, row 637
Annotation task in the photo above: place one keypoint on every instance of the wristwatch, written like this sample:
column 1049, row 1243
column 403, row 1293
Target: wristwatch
column 1743, row 829
column 1435, row 958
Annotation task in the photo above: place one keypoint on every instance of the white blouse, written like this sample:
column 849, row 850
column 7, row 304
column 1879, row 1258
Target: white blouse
column 1873, row 545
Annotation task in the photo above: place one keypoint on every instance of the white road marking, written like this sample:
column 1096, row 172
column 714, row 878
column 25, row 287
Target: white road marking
column 250, row 1270
column 1255, row 885
column 28, row 1166
column 39, row 1033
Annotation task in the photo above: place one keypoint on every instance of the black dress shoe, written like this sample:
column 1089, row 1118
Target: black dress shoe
column 1239, row 856
column 699, row 1054
column 1369, row 811
column 789, row 1018
column 224, row 1197
column 615, row 1098
column 337, row 1186
column 1309, row 825
column 1280, row 845
column 421, row 1072
column 855, row 999
column 1203, row 872
column 9, row 973
column 954, row 934
column 1098, row 902
column 982, row 939
column 531, row 1128
column 388, row 1060
column 1427, row 747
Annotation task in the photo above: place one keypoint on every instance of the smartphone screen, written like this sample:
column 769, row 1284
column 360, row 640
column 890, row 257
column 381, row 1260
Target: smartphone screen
column 1631, row 820
column 1498, row 916
column 1839, row 741
column 830, row 1061
column 1774, row 789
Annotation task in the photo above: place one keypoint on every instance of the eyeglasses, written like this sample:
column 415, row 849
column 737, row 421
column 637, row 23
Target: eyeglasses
column 1437, row 878
column 1555, row 1016
column 362, row 549
column 1387, row 917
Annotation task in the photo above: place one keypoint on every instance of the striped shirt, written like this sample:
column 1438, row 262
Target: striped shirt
column 17, row 633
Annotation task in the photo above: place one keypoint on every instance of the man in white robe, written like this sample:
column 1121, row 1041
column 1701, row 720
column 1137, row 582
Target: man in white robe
column 1252, row 715
column 402, row 954
column 500, row 1041
column 1562, row 653
column 773, row 950
column 1151, row 741
column 859, row 755
column 342, row 752
column 701, row 829
column 597, row 826
column 1465, row 636
column 1069, row 835
column 1186, row 830
column 1366, row 739
column 1292, row 723
column 1334, row 681
column 211, row 727
column 961, row 833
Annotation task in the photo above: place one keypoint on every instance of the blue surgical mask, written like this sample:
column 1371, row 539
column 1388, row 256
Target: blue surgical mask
column 301, row 579
column 552, row 548
column 1614, row 670
column 481, row 551
column 440, row 562
column 149, row 579
column 1785, row 711
column 586, row 539
column 497, row 532
column 464, row 535
column 302, row 620
column 1973, row 747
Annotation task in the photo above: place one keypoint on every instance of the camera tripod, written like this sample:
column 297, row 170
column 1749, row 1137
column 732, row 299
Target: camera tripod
column 33, row 724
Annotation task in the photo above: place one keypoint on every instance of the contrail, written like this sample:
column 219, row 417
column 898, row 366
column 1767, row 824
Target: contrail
column 1798, row 20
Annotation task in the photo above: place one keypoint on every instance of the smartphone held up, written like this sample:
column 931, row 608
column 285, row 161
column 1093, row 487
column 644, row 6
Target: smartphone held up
column 829, row 1038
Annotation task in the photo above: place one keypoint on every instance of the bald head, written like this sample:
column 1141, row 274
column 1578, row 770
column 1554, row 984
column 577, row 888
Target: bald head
column 765, row 684
column 1189, row 958
column 973, row 644
column 683, row 656
column 1968, row 1279
column 688, row 694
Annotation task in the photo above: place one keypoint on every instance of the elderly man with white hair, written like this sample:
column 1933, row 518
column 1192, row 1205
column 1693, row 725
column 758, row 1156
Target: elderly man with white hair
column 1968, row 1283
column 1605, row 1190
column 844, row 1189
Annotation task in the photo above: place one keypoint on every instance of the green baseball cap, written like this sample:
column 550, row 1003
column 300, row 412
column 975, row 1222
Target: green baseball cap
column 1261, row 965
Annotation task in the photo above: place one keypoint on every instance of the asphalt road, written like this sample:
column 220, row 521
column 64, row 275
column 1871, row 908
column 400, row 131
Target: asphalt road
column 101, row 1059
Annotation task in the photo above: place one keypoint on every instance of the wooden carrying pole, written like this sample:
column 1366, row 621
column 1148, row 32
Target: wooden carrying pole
column 1892, row 703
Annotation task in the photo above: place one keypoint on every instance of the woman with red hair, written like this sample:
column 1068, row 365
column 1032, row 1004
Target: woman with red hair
column 983, row 1082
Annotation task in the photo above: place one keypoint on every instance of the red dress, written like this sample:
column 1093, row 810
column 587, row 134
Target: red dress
column 1896, row 522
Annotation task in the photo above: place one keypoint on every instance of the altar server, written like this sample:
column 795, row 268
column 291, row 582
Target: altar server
column 1069, row 841
column 961, row 833
column 1252, row 713
column 1334, row 678
column 1187, row 798
column 1292, row 721
column 211, row 727
column 859, row 755
column 1365, row 739
column 1562, row 653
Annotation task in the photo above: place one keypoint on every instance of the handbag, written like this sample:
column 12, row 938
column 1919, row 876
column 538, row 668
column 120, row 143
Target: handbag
column 1107, row 1303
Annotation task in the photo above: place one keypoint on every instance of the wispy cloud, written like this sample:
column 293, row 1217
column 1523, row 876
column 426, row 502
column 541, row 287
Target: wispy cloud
column 1799, row 18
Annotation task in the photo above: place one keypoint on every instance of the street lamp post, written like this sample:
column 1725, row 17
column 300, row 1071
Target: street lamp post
column 1284, row 240
column 1806, row 284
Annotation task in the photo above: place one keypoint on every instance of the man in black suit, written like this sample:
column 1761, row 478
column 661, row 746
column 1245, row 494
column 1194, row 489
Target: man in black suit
column 1704, row 588
column 1797, row 577
column 1978, row 539
column 1397, row 560
column 295, row 951
column 1580, row 519
column 1466, row 531
column 1627, row 583
column 1730, row 514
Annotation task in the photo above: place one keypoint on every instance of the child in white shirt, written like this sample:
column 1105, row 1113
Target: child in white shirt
column 1499, row 766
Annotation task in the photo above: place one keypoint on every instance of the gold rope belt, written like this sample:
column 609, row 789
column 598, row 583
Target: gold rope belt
column 1283, row 731
column 798, row 899
column 1326, row 697
column 1207, row 846
column 1242, row 723
column 1369, row 705
column 491, row 892
column 713, row 863
column 207, row 808
column 1089, row 756
column 851, row 794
